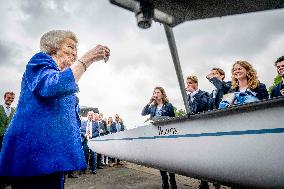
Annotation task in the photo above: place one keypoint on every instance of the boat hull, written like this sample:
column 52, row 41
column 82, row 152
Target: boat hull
column 244, row 148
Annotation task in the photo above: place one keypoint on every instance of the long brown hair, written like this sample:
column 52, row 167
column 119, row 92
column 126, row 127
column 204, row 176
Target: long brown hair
column 109, row 120
column 164, row 99
column 251, row 75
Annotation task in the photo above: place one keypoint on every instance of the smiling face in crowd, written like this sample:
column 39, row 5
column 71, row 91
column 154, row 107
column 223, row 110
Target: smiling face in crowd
column 280, row 68
column 239, row 72
column 9, row 98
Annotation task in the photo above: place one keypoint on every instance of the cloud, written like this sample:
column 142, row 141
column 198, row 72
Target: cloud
column 140, row 59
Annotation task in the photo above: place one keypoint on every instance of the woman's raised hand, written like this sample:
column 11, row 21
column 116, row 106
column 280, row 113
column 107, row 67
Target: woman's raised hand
column 100, row 52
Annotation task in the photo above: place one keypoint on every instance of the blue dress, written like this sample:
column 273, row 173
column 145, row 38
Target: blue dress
column 43, row 136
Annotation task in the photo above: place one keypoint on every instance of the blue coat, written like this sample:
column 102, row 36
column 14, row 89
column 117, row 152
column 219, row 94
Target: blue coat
column 275, row 92
column 260, row 90
column 167, row 110
column 200, row 102
column 113, row 128
column 43, row 136
column 222, row 88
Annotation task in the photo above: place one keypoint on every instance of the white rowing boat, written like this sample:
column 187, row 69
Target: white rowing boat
column 242, row 145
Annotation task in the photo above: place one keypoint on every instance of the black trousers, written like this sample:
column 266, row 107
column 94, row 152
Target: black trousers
column 50, row 181
column 165, row 179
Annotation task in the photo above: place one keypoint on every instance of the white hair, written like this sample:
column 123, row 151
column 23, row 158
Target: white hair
column 50, row 41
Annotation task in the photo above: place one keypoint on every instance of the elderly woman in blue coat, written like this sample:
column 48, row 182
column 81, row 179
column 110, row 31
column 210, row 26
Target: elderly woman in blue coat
column 43, row 139
column 159, row 105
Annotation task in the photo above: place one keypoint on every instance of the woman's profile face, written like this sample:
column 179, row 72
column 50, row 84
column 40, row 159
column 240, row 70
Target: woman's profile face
column 239, row 72
column 67, row 52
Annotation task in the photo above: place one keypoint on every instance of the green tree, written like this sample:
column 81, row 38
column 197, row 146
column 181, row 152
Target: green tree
column 180, row 112
column 277, row 80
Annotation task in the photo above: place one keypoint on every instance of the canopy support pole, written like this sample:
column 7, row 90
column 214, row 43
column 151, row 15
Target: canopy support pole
column 174, row 53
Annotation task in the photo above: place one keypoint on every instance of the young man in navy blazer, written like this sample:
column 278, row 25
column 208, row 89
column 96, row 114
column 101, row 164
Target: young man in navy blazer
column 216, row 77
column 278, row 90
column 197, row 99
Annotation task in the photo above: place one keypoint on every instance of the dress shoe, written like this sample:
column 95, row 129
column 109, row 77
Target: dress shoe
column 94, row 172
column 72, row 175
column 111, row 164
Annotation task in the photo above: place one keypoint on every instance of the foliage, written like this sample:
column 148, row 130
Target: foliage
column 180, row 112
column 277, row 80
column 148, row 119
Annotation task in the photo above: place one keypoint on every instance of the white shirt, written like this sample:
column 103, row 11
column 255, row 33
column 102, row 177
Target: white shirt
column 7, row 110
column 158, row 110
column 118, row 126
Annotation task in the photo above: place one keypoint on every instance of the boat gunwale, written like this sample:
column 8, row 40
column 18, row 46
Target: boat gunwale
column 235, row 109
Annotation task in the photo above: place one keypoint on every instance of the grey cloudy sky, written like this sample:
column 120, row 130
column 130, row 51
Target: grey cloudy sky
column 140, row 59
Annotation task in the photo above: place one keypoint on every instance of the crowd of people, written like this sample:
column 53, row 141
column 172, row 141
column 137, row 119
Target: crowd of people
column 47, row 135
column 244, row 88
column 94, row 126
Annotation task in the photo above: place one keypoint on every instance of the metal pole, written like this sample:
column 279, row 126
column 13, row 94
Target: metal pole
column 173, row 49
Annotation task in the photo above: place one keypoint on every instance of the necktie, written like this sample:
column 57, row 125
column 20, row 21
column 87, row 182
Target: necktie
column 89, row 130
column 189, row 100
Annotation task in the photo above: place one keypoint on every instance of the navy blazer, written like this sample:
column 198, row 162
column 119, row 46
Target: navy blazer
column 200, row 102
column 260, row 90
column 95, row 129
column 167, row 110
column 103, row 126
column 113, row 128
column 222, row 88
column 275, row 92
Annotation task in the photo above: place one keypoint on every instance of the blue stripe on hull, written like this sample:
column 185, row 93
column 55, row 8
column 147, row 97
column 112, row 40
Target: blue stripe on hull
column 230, row 133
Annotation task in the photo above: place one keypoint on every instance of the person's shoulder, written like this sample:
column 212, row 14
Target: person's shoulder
column 201, row 93
column 40, row 56
column 276, row 87
column 168, row 104
column 262, row 84
column 40, row 59
column 229, row 83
